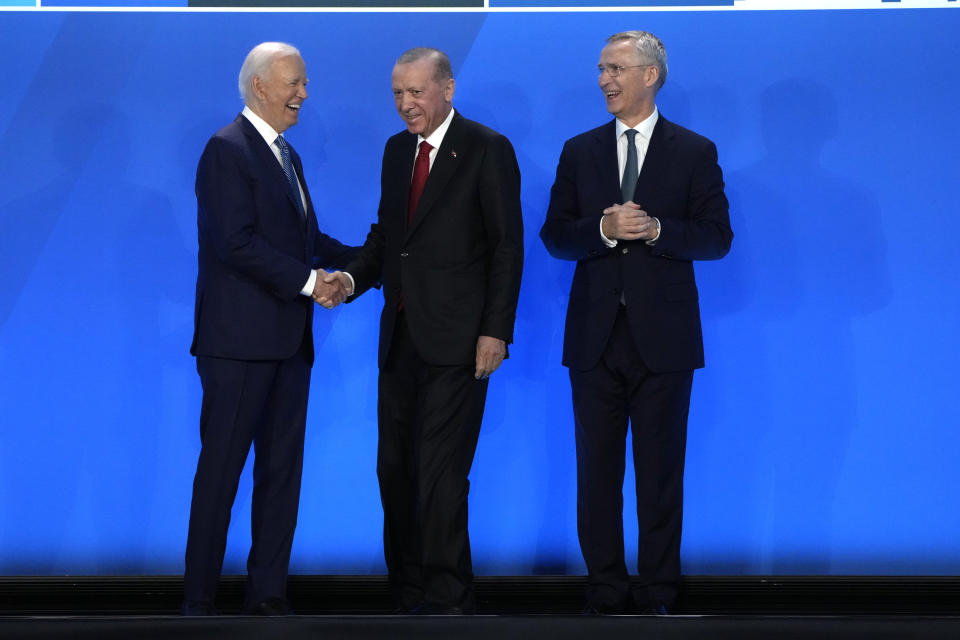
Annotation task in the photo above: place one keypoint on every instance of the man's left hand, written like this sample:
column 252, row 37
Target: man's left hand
column 490, row 353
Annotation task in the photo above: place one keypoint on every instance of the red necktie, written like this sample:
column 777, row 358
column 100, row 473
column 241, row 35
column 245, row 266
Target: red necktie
column 421, row 169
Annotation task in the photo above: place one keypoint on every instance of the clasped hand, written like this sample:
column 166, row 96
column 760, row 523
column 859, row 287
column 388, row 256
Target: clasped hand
column 331, row 289
column 628, row 221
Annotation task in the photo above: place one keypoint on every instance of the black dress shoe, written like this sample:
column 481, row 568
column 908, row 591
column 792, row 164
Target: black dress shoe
column 407, row 609
column 654, row 610
column 601, row 609
column 197, row 608
column 270, row 607
column 435, row 609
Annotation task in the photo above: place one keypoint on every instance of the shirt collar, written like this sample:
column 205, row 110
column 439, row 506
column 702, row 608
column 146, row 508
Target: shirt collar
column 645, row 128
column 436, row 137
column 260, row 125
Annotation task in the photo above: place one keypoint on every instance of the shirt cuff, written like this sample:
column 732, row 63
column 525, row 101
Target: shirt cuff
column 653, row 241
column 311, row 281
column 353, row 285
column 607, row 241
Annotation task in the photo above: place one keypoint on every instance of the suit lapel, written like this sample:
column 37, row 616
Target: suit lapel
column 444, row 166
column 605, row 160
column 265, row 157
column 298, row 168
column 404, row 162
column 398, row 171
column 298, row 165
column 655, row 162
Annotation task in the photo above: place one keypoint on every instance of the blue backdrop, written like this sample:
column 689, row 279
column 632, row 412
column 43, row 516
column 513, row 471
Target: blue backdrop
column 823, row 432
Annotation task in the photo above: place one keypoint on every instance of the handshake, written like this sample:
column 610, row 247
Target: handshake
column 331, row 288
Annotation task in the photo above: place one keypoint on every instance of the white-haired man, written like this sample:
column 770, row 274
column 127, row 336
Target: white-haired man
column 259, row 246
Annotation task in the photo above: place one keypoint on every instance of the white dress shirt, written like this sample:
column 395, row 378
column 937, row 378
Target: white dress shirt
column 435, row 139
column 642, row 141
column 270, row 137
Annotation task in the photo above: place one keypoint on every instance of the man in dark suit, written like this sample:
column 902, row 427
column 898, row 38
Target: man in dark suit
column 633, row 333
column 448, row 248
column 258, row 246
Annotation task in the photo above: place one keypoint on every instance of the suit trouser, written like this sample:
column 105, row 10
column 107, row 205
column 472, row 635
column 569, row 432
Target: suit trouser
column 619, row 389
column 244, row 402
column 429, row 424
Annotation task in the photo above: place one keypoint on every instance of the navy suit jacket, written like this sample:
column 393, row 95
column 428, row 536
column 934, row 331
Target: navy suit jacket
column 681, row 184
column 255, row 251
column 459, row 262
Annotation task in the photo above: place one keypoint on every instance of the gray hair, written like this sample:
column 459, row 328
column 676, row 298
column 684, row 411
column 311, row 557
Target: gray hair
column 649, row 48
column 258, row 64
column 442, row 70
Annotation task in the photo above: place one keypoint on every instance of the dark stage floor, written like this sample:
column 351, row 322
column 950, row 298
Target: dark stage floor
column 480, row 627
column 521, row 607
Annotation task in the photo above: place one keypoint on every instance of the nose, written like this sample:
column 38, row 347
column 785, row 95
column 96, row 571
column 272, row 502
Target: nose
column 302, row 92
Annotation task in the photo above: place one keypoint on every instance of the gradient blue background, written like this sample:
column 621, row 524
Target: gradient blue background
column 823, row 433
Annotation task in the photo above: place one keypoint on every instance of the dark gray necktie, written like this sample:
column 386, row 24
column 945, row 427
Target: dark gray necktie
column 630, row 171
column 289, row 171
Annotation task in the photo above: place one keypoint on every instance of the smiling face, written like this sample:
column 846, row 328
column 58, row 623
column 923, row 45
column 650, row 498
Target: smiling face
column 630, row 96
column 422, row 102
column 280, row 92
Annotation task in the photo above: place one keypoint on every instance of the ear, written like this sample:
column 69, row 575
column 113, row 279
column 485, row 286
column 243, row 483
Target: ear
column 257, row 84
column 449, row 89
column 652, row 74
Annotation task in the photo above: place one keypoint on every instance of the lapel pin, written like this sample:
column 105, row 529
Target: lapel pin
column 453, row 153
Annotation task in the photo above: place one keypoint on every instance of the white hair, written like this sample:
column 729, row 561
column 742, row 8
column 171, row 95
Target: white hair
column 649, row 48
column 258, row 64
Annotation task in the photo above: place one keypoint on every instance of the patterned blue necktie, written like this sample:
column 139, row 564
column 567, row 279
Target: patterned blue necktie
column 630, row 171
column 289, row 171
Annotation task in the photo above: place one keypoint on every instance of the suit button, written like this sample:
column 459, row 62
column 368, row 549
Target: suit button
column 625, row 250
column 404, row 254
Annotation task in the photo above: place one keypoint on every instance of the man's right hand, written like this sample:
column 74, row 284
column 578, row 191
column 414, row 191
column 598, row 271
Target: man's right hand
column 330, row 289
